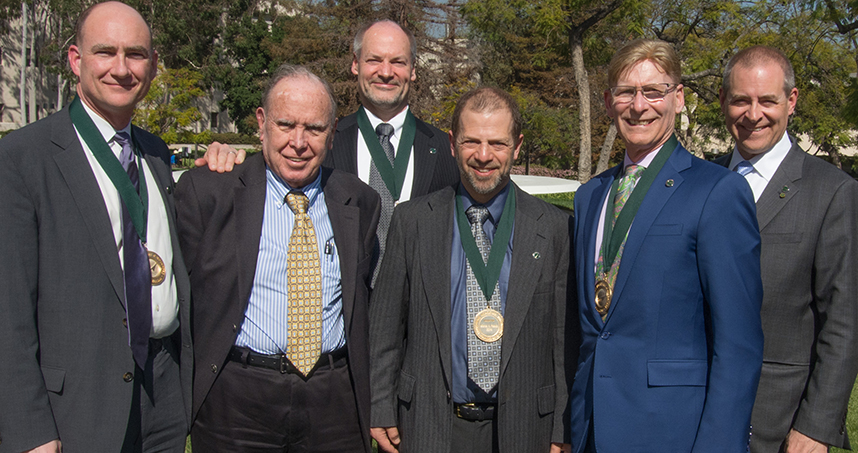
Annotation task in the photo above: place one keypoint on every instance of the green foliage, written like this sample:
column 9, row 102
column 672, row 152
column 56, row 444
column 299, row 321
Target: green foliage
column 236, row 139
column 565, row 201
column 169, row 111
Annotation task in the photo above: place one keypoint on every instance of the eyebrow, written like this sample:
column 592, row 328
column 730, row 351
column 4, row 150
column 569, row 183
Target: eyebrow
column 107, row 47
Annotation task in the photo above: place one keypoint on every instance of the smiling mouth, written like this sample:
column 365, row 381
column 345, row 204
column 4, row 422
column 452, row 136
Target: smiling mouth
column 639, row 122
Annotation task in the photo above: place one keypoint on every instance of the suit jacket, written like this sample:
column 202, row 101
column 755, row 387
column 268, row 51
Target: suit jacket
column 410, row 328
column 220, row 223
column 62, row 340
column 810, row 318
column 674, row 367
column 434, row 166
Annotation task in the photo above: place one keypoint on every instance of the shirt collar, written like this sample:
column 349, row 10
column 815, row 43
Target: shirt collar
column 495, row 205
column 281, row 188
column 398, row 121
column 767, row 163
column 107, row 131
column 645, row 162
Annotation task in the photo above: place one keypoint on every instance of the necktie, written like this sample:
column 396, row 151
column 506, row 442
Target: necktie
column 627, row 186
column 138, row 277
column 743, row 168
column 384, row 131
column 483, row 358
column 304, row 275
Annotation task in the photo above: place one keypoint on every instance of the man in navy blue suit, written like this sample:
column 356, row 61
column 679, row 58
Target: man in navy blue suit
column 667, row 254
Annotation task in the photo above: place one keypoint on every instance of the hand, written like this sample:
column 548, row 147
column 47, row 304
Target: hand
column 797, row 442
column 54, row 446
column 387, row 438
column 560, row 448
column 221, row 157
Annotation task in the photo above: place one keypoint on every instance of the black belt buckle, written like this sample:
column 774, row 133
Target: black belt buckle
column 284, row 364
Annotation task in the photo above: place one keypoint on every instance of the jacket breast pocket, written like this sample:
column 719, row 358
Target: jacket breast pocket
column 54, row 379
column 781, row 238
column 665, row 230
column 665, row 373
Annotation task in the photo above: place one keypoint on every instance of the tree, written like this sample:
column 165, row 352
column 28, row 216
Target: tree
column 169, row 110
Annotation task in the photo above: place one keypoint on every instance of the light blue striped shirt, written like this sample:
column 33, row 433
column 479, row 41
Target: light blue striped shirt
column 265, row 321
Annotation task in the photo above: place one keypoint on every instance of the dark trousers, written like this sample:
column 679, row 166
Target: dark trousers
column 254, row 409
column 474, row 436
column 157, row 422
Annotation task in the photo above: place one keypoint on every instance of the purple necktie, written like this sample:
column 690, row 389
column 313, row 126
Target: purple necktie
column 138, row 276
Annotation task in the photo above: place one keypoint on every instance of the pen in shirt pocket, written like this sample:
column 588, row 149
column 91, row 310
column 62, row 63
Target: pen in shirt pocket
column 329, row 249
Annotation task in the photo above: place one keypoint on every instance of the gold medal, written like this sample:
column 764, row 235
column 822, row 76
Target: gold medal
column 603, row 296
column 156, row 266
column 488, row 325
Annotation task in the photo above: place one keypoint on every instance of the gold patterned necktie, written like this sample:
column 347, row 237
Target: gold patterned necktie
column 304, row 330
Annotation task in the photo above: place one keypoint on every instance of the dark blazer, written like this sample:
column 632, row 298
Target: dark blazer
column 63, row 344
column 410, row 328
column 220, row 223
column 810, row 285
column 674, row 367
column 434, row 166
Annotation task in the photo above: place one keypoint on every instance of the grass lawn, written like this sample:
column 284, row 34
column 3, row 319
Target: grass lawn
column 561, row 200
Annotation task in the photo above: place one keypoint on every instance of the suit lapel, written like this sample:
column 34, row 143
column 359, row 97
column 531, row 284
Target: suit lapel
column 434, row 231
column 74, row 166
column 344, row 219
column 424, row 159
column 655, row 199
column 250, row 209
column 343, row 154
column 586, row 254
column 530, row 239
column 788, row 175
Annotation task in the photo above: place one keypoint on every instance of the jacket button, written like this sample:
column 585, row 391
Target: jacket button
column 125, row 322
column 214, row 368
column 234, row 327
column 605, row 335
column 448, row 394
column 127, row 377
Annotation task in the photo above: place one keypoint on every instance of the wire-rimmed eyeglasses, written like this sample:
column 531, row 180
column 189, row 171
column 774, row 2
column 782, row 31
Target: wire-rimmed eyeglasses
column 652, row 92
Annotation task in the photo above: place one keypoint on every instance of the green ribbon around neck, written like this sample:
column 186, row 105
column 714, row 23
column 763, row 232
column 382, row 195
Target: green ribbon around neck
column 137, row 204
column 487, row 273
column 392, row 175
column 614, row 235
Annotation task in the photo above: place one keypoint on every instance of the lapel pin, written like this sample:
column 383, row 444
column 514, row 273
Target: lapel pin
column 536, row 255
column 432, row 151
column 668, row 183
column 783, row 192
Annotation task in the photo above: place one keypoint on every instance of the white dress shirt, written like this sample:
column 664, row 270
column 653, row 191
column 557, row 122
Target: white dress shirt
column 165, row 307
column 645, row 162
column 765, row 165
column 364, row 159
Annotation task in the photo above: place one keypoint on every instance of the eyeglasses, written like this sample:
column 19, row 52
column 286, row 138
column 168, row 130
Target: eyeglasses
column 653, row 92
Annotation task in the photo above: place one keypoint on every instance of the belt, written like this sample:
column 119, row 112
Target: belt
column 475, row 412
column 280, row 362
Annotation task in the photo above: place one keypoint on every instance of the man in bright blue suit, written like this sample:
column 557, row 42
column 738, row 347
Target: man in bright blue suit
column 667, row 254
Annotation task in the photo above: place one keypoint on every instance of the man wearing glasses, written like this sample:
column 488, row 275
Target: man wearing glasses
column 667, row 263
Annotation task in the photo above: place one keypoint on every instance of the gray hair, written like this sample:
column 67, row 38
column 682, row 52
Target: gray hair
column 290, row 71
column 756, row 56
column 358, row 41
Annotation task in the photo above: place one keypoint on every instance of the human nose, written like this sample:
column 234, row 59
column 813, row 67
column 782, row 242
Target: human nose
column 385, row 69
column 119, row 69
column 639, row 102
column 299, row 138
column 754, row 112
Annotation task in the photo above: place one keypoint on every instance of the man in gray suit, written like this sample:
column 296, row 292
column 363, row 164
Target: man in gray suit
column 93, row 292
column 808, row 215
column 469, row 336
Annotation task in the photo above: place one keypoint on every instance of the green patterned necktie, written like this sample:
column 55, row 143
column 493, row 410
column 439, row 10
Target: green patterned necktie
column 627, row 186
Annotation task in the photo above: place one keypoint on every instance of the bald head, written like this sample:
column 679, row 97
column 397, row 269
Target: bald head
column 107, row 8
